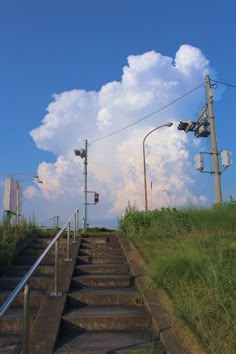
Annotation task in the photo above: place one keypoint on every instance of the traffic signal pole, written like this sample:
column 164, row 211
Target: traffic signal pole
column 215, row 153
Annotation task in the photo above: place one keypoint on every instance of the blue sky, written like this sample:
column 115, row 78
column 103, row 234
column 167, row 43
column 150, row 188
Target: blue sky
column 54, row 47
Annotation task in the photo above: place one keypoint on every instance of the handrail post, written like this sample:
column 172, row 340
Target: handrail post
column 56, row 269
column 75, row 226
column 26, row 319
column 25, row 283
column 68, row 244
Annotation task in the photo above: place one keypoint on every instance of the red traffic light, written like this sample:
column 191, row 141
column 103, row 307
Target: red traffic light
column 96, row 198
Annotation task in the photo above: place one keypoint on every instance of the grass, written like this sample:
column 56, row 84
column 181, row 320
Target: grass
column 191, row 255
column 11, row 236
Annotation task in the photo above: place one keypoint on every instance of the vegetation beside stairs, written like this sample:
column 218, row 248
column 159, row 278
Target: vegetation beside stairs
column 53, row 319
column 170, row 333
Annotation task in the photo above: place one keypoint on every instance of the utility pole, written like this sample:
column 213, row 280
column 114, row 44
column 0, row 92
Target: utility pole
column 215, row 154
column 85, row 185
column 83, row 153
column 56, row 220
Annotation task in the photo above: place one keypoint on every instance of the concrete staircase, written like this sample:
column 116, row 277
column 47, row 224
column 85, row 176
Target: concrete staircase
column 100, row 315
column 11, row 325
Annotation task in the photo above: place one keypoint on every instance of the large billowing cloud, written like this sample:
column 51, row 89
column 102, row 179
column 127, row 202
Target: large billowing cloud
column 149, row 82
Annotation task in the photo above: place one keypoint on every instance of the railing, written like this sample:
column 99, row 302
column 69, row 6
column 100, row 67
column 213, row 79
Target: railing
column 24, row 283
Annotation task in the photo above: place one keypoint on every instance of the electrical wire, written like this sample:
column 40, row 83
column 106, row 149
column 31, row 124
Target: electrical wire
column 200, row 106
column 223, row 83
column 148, row 116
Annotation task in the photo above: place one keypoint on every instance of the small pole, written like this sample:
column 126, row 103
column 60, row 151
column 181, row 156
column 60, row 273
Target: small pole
column 17, row 202
column 75, row 226
column 85, row 185
column 26, row 324
column 215, row 153
column 145, row 177
column 56, row 270
column 57, row 222
column 77, row 223
column 68, row 244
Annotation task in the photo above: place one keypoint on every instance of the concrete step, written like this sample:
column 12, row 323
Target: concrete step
column 105, row 245
column 29, row 260
column 31, row 251
column 107, row 318
column 36, row 297
column 49, row 239
column 102, row 296
column 36, row 282
column 43, row 242
column 101, row 281
column 39, row 245
column 46, row 236
column 100, row 252
column 10, row 344
column 51, row 236
column 101, row 259
column 122, row 342
column 100, row 239
column 21, row 270
column 101, row 269
column 12, row 321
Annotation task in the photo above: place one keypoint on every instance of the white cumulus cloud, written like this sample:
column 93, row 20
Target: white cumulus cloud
column 115, row 170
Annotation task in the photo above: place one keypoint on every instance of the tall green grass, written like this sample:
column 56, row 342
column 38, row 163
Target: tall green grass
column 12, row 235
column 191, row 254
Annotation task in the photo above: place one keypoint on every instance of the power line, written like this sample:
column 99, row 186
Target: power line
column 200, row 105
column 223, row 83
column 148, row 116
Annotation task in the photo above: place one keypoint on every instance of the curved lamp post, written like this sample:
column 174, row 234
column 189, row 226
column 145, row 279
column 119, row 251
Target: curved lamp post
column 169, row 124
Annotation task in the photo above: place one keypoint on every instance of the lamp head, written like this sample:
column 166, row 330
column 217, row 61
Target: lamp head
column 169, row 124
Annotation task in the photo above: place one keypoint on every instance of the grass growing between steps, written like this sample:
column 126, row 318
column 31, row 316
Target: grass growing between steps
column 191, row 255
column 12, row 235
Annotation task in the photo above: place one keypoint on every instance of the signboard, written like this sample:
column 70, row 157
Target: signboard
column 12, row 197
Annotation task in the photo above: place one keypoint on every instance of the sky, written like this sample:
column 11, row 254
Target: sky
column 110, row 71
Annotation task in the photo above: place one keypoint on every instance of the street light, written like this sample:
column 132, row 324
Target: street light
column 169, row 124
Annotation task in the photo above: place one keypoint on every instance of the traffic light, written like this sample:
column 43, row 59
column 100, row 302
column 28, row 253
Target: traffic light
column 186, row 126
column 225, row 158
column 80, row 152
column 202, row 130
column 199, row 164
column 96, row 198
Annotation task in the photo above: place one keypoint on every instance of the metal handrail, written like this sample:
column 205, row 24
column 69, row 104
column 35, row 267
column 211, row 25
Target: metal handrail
column 25, row 280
